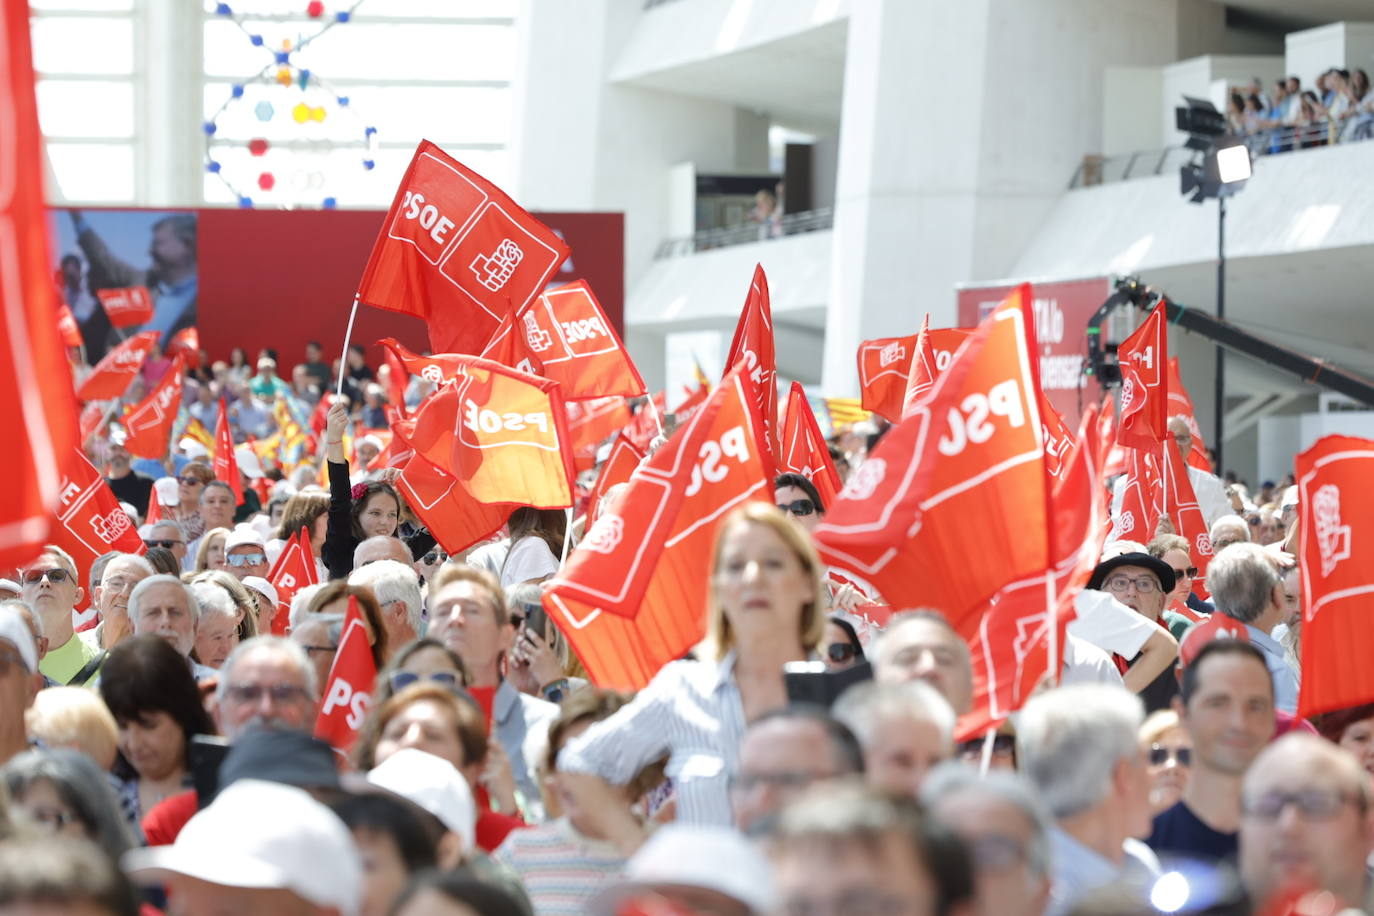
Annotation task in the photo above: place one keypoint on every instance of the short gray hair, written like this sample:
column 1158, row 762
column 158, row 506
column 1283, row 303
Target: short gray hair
column 952, row 777
column 1236, row 524
column 281, row 646
column 136, row 596
column 377, row 539
column 391, row 581
column 168, row 523
column 867, row 707
column 1242, row 579
column 214, row 600
column 300, row 603
column 1069, row 741
column 26, row 611
column 135, row 560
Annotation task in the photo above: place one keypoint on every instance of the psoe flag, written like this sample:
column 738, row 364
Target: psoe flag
column 112, row 375
column 348, row 689
column 1144, row 359
column 1337, row 553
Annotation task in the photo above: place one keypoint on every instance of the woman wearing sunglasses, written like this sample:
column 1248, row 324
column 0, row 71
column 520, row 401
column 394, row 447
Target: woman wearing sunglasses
column 1169, row 755
column 798, row 499
column 1181, row 609
column 190, row 484
column 423, row 661
column 842, row 649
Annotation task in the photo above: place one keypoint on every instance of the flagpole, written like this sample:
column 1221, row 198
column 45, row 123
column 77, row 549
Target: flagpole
column 985, row 758
column 567, row 537
column 1052, row 615
column 658, row 421
column 343, row 356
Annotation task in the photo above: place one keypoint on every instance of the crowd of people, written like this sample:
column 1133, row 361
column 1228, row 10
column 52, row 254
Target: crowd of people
column 1338, row 108
column 157, row 748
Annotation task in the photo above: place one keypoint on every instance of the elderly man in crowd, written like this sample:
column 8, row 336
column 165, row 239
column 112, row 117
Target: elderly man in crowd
column 381, row 547
column 245, row 553
column 905, row 731
column 52, row 589
column 1307, row 823
column 397, row 590
column 1246, row 586
column 1227, row 708
column 1142, row 583
column 1228, row 530
column 19, row 681
column 168, row 533
column 782, row 753
column 1078, row 747
column 122, row 572
column 922, row 646
column 1208, row 488
column 1006, row 829
column 165, row 606
column 848, row 849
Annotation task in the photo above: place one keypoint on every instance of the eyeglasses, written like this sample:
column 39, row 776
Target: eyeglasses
column 1313, row 804
column 165, row 542
column 782, row 781
column 246, row 559
column 326, row 649
column 51, row 818
column 55, row 575
column 253, row 693
column 1145, row 585
column 1188, row 573
column 190, row 481
column 841, row 652
column 434, row 556
column 1160, row 755
column 400, row 680
column 798, row 507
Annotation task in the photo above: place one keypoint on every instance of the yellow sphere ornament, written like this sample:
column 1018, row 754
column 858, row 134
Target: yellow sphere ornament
column 301, row 112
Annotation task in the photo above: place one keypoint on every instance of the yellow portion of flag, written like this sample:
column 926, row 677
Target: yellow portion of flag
column 845, row 412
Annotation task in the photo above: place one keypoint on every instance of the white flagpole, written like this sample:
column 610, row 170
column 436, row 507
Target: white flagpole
column 343, row 356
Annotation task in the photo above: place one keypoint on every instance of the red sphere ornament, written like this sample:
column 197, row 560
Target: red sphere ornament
column 257, row 147
column 267, row 181
column 315, row 8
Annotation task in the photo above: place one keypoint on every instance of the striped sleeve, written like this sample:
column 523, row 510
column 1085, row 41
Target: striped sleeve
column 640, row 732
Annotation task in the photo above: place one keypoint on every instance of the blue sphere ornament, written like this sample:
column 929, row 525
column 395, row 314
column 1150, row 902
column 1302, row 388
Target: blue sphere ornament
column 236, row 90
column 343, row 101
column 264, row 110
column 330, row 203
column 245, row 203
column 256, row 40
column 283, row 57
column 209, row 127
column 343, row 16
column 368, row 132
column 222, row 9
column 212, row 166
column 369, row 164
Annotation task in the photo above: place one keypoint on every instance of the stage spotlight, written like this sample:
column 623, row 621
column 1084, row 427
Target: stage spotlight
column 1233, row 163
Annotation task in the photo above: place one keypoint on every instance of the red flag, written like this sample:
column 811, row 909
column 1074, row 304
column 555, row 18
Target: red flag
column 914, row 517
column 457, row 252
column 226, row 466
column 451, row 515
column 349, row 686
column 293, row 571
column 1180, row 504
column 127, row 306
column 397, row 379
column 804, row 450
column 1059, row 439
column 1181, row 405
column 921, row 376
column 753, row 345
column 90, row 521
column 1142, row 500
column 112, row 375
column 67, row 327
column 149, row 425
column 591, row 422
column 38, row 410
column 645, row 426
column 632, row 597
column 1337, row 589
column 620, row 464
column 1144, row 358
column 186, row 342
column 885, row 365
column 695, row 398
column 565, row 335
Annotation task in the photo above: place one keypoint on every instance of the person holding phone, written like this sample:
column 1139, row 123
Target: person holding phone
column 766, row 607
column 542, row 665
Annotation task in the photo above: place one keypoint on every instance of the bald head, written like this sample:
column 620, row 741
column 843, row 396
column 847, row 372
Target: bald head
column 381, row 548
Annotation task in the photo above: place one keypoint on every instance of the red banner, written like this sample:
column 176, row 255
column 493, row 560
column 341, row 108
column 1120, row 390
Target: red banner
column 1181, row 405
column 921, row 377
column 185, row 343
column 38, row 410
column 127, row 307
column 67, row 328
column 149, row 425
column 112, row 375
column 885, row 366
column 632, row 597
column 753, row 345
column 1334, row 509
column 457, row 252
column 293, row 571
column 1142, row 499
column 620, row 464
column 90, row 521
column 1180, row 504
column 1144, row 358
column 591, row 422
column 348, row 690
column 804, row 450
column 226, row 464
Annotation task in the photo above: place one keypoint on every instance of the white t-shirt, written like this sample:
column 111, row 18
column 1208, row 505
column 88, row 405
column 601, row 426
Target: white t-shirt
column 1110, row 625
column 1085, row 663
column 490, row 556
column 528, row 558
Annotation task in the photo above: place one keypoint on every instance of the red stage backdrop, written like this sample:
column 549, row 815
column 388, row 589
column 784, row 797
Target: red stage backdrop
column 1062, row 311
column 280, row 278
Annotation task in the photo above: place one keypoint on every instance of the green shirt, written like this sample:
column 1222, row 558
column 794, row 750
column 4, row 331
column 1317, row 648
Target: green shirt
column 62, row 664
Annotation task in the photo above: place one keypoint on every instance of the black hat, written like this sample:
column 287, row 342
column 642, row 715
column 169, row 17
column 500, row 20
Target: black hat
column 281, row 755
column 1163, row 571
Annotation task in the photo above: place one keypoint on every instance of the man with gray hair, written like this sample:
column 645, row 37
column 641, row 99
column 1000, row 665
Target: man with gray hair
column 905, row 730
column 1228, row 530
column 1006, row 829
column 397, row 590
column 1246, row 586
column 381, row 547
column 52, row 589
column 122, row 571
column 921, row 645
column 165, row 606
column 167, row 532
column 1078, row 747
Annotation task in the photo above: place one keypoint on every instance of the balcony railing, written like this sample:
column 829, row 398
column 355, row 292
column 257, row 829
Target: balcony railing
column 790, row 224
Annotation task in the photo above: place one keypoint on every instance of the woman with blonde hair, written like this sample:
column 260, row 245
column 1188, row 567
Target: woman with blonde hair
column 190, row 483
column 75, row 718
column 1169, row 755
column 210, row 552
column 766, row 607
column 306, row 511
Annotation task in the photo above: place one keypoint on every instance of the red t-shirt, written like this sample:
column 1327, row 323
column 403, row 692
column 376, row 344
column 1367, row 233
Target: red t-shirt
column 162, row 824
column 492, row 828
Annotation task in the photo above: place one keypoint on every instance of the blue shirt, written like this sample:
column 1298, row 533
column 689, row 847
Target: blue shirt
column 1078, row 870
column 1177, row 831
column 1285, row 681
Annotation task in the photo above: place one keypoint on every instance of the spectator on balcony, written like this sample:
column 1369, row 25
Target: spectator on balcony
column 1315, row 122
column 766, row 214
column 1256, row 88
column 1292, row 111
column 1338, row 93
column 1255, row 113
column 1235, row 113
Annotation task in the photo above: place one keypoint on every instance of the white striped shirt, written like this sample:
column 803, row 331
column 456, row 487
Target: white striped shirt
column 691, row 711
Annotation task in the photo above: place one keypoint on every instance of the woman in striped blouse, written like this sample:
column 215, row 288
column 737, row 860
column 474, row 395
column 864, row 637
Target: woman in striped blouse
column 766, row 607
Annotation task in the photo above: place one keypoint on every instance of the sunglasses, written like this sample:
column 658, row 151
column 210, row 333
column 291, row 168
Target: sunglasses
column 1002, row 746
column 434, row 556
column 55, row 575
column 246, row 559
column 798, row 507
column 165, row 542
column 190, row 481
column 253, row 693
column 400, row 680
column 841, row 652
column 1188, row 573
column 1160, row 755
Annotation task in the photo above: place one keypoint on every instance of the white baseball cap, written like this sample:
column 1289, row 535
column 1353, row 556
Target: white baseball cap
column 248, row 461
column 13, row 629
column 262, row 587
column 435, row 785
column 241, row 535
column 712, row 858
column 193, row 448
column 167, row 489
column 258, row 834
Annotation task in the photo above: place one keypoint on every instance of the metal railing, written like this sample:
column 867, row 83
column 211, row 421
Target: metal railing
column 1096, row 170
column 790, row 224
